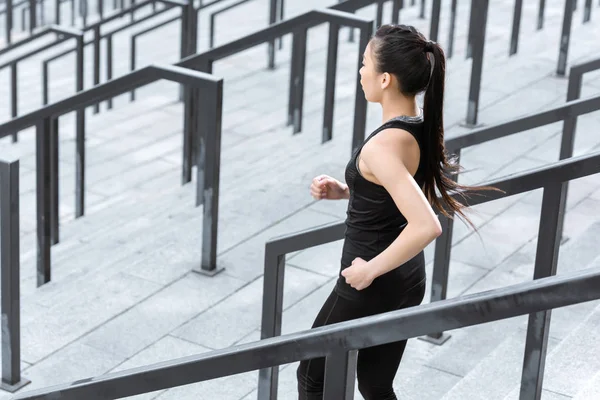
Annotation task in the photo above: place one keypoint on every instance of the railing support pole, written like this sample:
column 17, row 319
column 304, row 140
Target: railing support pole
column 14, row 99
column 209, row 167
column 360, row 102
column 422, row 12
column 109, row 67
column 54, row 186
column 10, row 280
column 9, row 21
column 96, row 63
column 271, row 43
column 546, row 260
column 43, row 199
column 568, row 135
column 452, row 30
column 272, row 310
column 514, row 39
column 472, row 16
column 188, row 131
column 79, row 136
column 340, row 369
column 434, row 26
column 479, row 15
column 299, row 60
column 32, row 15
column 541, row 11
column 379, row 14
column 565, row 38
column 396, row 6
column 587, row 12
column 330, row 77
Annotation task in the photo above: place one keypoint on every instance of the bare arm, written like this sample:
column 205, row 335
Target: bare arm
column 385, row 157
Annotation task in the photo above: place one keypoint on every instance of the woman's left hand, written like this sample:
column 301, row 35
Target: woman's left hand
column 358, row 275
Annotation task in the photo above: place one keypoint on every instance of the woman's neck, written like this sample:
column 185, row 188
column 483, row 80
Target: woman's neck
column 400, row 106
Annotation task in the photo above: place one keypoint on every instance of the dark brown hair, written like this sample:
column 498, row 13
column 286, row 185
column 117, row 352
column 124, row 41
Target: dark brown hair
column 403, row 51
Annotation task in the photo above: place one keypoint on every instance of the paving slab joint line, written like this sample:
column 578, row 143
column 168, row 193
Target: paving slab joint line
column 113, row 317
column 266, row 228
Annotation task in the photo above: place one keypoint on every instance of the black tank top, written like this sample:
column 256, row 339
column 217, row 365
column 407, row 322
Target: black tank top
column 373, row 222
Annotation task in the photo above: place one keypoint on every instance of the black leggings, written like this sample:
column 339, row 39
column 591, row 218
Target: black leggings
column 376, row 366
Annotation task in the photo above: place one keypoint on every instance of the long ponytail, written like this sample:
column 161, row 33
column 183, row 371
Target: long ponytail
column 441, row 170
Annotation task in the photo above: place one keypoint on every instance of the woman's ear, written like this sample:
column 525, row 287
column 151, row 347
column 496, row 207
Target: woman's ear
column 386, row 80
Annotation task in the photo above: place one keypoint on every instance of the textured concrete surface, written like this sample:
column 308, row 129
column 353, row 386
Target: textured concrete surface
column 123, row 294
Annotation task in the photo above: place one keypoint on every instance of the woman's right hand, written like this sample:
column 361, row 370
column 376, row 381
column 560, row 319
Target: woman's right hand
column 324, row 187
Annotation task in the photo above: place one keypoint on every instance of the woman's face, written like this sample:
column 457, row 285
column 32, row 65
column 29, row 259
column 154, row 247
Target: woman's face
column 373, row 83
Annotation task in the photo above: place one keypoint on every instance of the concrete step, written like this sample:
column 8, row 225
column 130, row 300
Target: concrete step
column 591, row 390
column 496, row 374
column 574, row 362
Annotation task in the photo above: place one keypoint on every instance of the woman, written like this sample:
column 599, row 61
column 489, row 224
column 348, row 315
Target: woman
column 392, row 180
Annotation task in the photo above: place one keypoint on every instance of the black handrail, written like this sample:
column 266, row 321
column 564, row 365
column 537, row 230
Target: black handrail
column 47, row 144
column 211, row 40
column 567, row 142
column 338, row 342
column 98, row 36
column 551, row 178
column 298, row 26
column 63, row 34
column 10, row 270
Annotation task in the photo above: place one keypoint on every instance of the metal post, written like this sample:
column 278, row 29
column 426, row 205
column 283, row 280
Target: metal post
column 422, row 12
column 452, row 30
column 514, row 39
column 480, row 12
column 396, row 7
column 96, row 63
column 83, row 7
column 271, row 43
column 568, row 134
column 293, row 73
column 79, row 135
column 587, row 11
column 100, row 5
column 45, row 82
column 14, row 101
column 299, row 43
column 43, row 199
column 9, row 21
column 441, row 271
column 545, row 265
column 434, row 26
column 565, row 38
column 281, row 15
column 340, row 369
column 330, row 75
column 189, row 108
column 472, row 16
column 211, row 107
column 379, row 14
column 72, row 12
column 132, row 62
column 541, row 9
column 360, row 102
column 272, row 310
column 54, row 195
column 32, row 15
column 109, row 67
column 10, row 280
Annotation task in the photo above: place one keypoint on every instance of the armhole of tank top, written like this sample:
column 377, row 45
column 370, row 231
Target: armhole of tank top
column 395, row 124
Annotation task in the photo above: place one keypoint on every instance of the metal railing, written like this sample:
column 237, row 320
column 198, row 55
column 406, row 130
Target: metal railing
column 567, row 142
column 47, row 148
column 337, row 342
column 10, row 253
column 213, row 15
column 552, row 179
column 63, row 34
column 298, row 27
column 186, row 12
column 8, row 10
